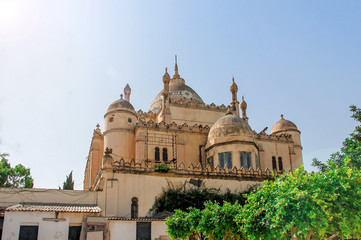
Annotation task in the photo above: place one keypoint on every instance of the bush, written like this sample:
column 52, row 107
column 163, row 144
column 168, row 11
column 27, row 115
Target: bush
column 162, row 168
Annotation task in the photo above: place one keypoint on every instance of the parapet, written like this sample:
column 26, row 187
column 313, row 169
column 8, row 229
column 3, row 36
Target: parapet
column 199, row 171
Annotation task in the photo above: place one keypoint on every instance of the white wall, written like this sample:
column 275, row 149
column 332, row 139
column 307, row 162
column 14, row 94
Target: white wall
column 47, row 229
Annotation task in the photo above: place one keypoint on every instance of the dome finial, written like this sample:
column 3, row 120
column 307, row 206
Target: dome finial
column 176, row 74
column 281, row 116
column 121, row 96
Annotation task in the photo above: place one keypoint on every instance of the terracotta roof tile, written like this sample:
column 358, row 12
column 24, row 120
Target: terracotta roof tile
column 54, row 207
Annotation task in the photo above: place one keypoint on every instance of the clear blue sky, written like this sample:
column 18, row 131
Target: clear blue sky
column 63, row 62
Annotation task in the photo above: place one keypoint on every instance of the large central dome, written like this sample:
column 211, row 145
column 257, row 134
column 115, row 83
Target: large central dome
column 178, row 90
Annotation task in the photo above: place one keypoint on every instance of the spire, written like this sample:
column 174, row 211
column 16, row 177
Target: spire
column 244, row 108
column 234, row 103
column 234, row 90
column 127, row 91
column 176, row 74
column 281, row 116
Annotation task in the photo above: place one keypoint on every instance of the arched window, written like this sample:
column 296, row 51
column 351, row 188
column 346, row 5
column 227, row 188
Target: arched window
column 156, row 154
column 165, row 155
column 280, row 164
column 274, row 163
column 134, row 208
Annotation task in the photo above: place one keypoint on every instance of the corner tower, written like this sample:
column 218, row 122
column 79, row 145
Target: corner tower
column 119, row 127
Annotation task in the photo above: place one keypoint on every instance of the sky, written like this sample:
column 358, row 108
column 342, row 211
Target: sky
column 62, row 63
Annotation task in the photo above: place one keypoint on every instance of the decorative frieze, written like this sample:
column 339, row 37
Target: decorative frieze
column 199, row 170
column 174, row 126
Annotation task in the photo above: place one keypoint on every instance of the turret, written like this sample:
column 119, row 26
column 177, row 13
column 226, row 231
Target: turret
column 119, row 128
column 288, row 127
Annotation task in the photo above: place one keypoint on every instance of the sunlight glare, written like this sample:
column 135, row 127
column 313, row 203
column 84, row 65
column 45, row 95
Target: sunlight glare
column 17, row 18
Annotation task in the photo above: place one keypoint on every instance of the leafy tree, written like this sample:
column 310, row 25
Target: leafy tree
column 218, row 221
column 306, row 206
column 69, row 183
column 184, row 224
column 17, row 177
column 351, row 146
column 215, row 221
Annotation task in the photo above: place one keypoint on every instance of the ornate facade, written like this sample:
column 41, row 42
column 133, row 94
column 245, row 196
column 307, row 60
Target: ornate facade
column 181, row 129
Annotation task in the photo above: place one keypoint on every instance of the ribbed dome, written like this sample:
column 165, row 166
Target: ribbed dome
column 121, row 104
column 283, row 125
column 229, row 127
column 177, row 91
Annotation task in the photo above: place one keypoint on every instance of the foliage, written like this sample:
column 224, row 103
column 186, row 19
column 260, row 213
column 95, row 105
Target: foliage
column 162, row 168
column 213, row 222
column 69, row 183
column 188, row 196
column 298, row 205
column 306, row 206
column 218, row 221
column 184, row 224
column 351, row 147
column 17, row 177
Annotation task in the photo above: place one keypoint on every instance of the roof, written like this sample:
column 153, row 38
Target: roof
column 283, row 125
column 229, row 127
column 54, row 207
column 176, row 92
column 121, row 104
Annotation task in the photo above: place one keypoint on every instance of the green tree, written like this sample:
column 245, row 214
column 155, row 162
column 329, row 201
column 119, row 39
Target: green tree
column 351, row 146
column 69, row 183
column 214, row 222
column 218, row 221
column 184, row 224
column 17, row 177
column 306, row 206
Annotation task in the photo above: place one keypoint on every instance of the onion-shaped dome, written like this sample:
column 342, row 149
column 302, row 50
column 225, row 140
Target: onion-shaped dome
column 121, row 104
column 283, row 125
column 229, row 128
column 177, row 92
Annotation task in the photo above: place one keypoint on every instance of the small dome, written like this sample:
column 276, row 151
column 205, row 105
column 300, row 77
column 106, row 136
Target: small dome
column 121, row 104
column 228, row 128
column 283, row 125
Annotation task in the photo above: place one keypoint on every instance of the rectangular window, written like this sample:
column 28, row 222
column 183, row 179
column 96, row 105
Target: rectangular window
column 225, row 158
column 257, row 161
column 246, row 159
column 74, row 232
column 210, row 162
column 143, row 231
column 28, row 232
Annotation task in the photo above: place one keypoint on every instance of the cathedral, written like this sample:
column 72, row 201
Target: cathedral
column 181, row 130
column 179, row 141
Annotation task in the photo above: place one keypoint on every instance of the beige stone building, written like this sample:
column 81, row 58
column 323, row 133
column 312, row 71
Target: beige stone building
column 182, row 130
column 202, row 143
